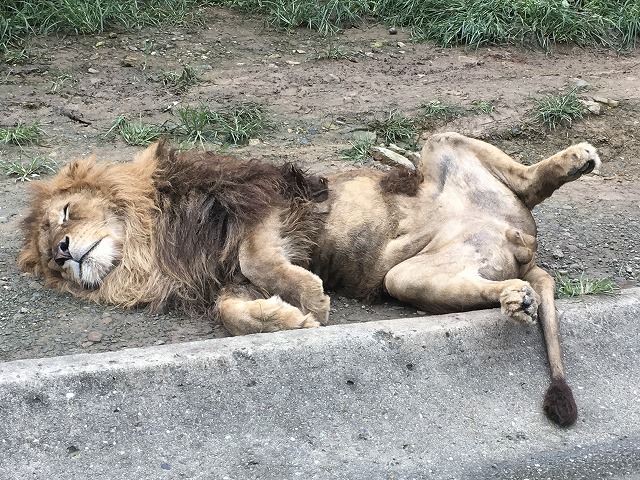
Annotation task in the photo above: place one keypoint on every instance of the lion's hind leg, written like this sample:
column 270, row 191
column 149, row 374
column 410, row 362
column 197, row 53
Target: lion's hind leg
column 242, row 313
column 425, row 281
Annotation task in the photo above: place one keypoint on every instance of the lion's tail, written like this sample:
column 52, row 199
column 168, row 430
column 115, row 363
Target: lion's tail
column 559, row 404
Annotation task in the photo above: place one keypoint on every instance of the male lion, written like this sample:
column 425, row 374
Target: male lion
column 240, row 240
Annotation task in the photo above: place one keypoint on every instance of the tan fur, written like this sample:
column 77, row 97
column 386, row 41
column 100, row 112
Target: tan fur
column 456, row 234
column 105, row 222
column 463, row 239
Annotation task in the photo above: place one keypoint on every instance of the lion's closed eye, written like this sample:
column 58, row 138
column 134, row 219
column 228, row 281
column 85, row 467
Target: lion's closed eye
column 64, row 215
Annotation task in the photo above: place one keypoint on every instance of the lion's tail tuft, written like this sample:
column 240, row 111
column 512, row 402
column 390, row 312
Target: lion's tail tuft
column 559, row 404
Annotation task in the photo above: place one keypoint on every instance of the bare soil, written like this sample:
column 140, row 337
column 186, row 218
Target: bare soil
column 589, row 227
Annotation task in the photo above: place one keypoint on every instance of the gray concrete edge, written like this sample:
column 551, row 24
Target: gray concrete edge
column 450, row 396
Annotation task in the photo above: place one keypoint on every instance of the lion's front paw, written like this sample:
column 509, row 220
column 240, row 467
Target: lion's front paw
column 320, row 309
column 582, row 159
column 520, row 303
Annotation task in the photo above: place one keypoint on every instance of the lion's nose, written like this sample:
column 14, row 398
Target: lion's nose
column 61, row 252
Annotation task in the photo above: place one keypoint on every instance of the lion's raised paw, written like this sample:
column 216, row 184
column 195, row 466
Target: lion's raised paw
column 582, row 158
column 520, row 303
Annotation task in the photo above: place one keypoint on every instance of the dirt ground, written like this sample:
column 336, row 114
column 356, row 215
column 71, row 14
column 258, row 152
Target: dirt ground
column 317, row 105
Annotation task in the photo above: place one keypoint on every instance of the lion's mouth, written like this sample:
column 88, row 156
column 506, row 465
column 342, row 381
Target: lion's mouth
column 87, row 269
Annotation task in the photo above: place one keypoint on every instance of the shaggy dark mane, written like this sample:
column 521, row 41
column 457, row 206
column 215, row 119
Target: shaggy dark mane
column 207, row 205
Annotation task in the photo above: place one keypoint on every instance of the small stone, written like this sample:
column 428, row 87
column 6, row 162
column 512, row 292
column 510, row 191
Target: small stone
column 592, row 106
column 291, row 62
column 130, row 61
column 86, row 344
column 112, row 35
column 95, row 336
column 601, row 100
column 557, row 253
column 35, row 286
column 300, row 51
column 579, row 83
column 4, row 220
column 421, row 312
column 393, row 31
column 254, row 141
column 333, row 78
column 613, row 103
column 92, row 70
column 401, row 44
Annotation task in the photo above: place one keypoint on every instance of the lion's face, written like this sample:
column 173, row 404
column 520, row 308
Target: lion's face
column 78, row 237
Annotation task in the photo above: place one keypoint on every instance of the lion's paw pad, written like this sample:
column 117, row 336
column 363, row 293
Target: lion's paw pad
column 584, row 159
column 520, row 303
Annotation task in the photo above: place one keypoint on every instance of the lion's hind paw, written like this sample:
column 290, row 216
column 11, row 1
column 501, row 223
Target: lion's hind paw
column 520, row 302
column 583, row 159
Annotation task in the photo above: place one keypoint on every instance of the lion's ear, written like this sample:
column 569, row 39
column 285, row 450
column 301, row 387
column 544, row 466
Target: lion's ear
column 154, row 151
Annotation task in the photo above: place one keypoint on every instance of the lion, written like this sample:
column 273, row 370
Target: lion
column 255, row 245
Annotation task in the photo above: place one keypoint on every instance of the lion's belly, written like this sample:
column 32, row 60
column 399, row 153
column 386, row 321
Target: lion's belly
column 366, row 232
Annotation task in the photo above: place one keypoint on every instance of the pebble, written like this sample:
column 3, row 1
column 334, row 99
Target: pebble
column 130, row 61
column 579, row 83
column 393, row 31
column 95, row 336
column 557, row 253
column 92, row 70
column 333, row 78
column 4, row 220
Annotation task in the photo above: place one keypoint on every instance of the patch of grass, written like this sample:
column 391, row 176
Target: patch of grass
column 567, row 287
column 180, row 82
column 242, row 122
column 62, row 79
column 135, row 132
column 327, row 17
column 394, row 128
column 18, row 56
column 445, row 22
column 196, row 123
column 482, row 107
column 21, row 134
column 235, row 125
column 359, row 150
column 333, row 51
column 554, row 110
column 21, row 18
column 34, row 168
column 436, row 109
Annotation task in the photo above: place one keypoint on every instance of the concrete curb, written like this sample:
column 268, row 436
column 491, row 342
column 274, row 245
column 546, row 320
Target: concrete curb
column 452, row 396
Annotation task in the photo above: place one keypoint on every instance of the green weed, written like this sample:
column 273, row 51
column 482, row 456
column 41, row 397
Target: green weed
column 21, row 134
column 554, row 110
column 333, row 51
column 482, row 107
column 135, row 132
column 196, row 124
column 34, row 168
column 567, row 287
column 445, row 22
column 180, row 82
column 394, row 128
column 359, row 150
column 61, row 80
column 242, row 122
column 436, row 109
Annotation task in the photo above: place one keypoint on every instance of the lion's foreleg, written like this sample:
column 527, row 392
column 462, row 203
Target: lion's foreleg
column 265, row 263
column 559, row 404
